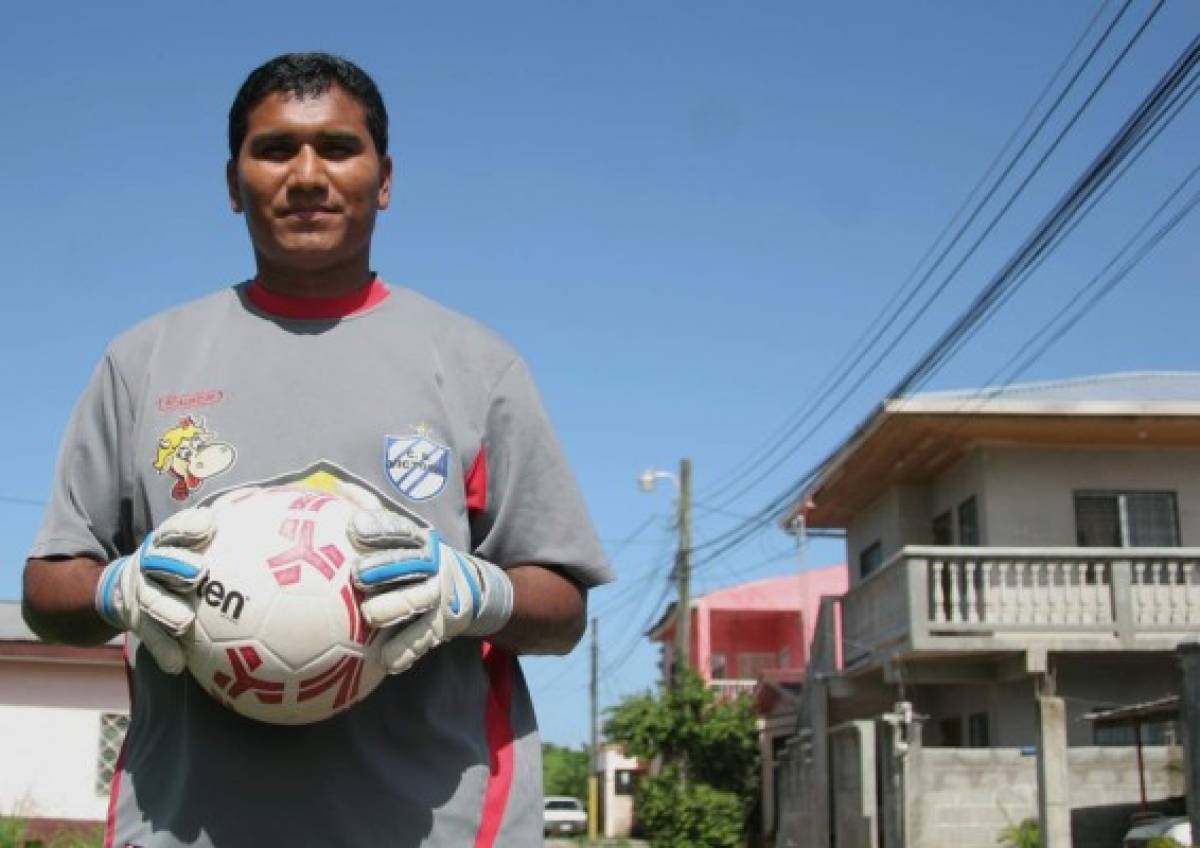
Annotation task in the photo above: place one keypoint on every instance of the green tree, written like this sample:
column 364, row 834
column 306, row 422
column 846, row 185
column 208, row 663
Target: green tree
column 708, row 787
column 564, row 771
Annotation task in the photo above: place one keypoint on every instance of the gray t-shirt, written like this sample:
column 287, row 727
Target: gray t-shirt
column 428, row 409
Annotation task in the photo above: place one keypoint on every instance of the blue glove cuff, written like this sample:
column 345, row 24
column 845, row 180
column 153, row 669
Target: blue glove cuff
column 106, row 592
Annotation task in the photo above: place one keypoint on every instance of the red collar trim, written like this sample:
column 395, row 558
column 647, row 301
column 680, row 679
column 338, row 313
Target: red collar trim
column 317, row 308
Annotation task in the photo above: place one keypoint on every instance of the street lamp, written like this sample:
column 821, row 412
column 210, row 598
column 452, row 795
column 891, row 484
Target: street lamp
column 683, row 615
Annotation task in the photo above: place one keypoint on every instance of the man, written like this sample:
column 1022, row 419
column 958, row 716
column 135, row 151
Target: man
column 316, row 366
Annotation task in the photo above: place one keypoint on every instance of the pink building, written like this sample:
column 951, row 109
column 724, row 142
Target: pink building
column 756, row 638
column 740, row 632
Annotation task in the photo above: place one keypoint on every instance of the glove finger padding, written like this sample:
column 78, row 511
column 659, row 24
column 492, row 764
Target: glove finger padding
column 165, row 649
column 192, row 529
column 381, row 529
column 173, row 612
column 410, row 643
column 400, row 605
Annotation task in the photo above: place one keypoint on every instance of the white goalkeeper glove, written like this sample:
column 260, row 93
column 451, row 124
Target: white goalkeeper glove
column 425, row 589
column 151, row 593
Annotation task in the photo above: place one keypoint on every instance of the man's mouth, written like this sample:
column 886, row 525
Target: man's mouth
column 308, row 213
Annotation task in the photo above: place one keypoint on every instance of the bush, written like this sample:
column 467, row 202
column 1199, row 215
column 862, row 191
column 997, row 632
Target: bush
column 12, row 832
column 1163, row 842
column 1027, row 834
column 678, row 815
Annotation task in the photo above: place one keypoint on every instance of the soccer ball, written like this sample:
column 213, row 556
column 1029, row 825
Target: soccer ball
column 278, row 634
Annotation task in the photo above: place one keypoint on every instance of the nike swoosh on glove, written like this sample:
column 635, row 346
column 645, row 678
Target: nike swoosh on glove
column 425, row 589
column 152, row 593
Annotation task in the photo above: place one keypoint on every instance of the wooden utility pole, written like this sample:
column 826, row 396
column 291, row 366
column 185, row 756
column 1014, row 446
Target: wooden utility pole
column 594, row 764
column 683, row 570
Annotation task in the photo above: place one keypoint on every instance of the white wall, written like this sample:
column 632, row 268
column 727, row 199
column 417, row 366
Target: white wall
column 50, row 736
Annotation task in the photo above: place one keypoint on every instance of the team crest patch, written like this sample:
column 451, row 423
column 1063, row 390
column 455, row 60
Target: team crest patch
column 189, row 453
column 416, row 465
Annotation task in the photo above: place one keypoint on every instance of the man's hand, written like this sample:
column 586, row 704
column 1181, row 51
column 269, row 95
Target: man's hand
column 152, row 592
column 422, row 587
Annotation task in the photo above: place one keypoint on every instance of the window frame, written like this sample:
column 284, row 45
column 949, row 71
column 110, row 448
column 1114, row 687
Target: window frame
column 873, row 553
column 110, row 740
column 1123, row 523
column 970, row 504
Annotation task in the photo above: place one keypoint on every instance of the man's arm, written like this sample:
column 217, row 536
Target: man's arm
column 59, row 600
column 549, row 612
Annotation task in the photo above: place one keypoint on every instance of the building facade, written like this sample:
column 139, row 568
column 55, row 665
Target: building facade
column 63, row 715
column 1019, row 558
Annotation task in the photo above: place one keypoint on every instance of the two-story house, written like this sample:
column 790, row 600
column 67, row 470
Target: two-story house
column 753, row 639
column 1019, row 558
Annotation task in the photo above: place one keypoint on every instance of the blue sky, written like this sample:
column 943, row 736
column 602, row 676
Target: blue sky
column 683, row 214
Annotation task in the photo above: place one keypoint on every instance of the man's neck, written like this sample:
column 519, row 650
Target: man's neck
column 323, row 283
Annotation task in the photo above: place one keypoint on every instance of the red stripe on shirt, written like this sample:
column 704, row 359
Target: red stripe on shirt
column 110, row 822
column 317, row 308
column 497, row 722
column 477, row 482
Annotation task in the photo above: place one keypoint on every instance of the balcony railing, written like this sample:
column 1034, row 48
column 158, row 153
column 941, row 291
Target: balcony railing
column 731, row 688
column 1067, row 598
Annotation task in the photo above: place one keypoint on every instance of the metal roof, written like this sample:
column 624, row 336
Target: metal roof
column 1162, row 709
column 914, row 439
column 1139, row 388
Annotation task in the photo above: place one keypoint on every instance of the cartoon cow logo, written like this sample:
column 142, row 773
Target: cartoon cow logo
column 190, row 453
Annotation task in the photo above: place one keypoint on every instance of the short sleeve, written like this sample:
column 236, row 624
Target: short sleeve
column 89, row 509
column 534, row 511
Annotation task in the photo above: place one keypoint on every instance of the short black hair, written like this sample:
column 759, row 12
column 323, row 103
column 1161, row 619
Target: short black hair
column 307, row 75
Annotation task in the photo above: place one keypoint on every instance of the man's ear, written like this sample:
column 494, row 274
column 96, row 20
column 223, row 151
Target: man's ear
column 385, row 182
column 231, row 186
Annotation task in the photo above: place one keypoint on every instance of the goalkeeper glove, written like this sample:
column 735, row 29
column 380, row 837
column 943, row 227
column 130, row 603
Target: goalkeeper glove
column 151, row 593
column 411, row 577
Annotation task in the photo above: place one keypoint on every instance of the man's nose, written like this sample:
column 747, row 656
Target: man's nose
column 307, row 171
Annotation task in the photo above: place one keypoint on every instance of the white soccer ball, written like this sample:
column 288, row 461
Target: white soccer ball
column 278, row 634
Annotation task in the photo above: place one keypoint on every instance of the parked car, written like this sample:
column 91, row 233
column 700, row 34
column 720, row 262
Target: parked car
column 1178, row 828
column 564, row 814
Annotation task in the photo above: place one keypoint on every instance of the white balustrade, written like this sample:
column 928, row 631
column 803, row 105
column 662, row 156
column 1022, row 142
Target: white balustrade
column 1048, row 593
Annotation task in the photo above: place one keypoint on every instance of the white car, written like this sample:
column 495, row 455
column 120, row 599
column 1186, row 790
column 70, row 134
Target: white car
column 564, row 814
column 1173, row 827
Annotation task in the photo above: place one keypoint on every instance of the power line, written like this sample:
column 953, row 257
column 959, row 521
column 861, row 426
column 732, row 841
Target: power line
column 16, row 501
column 1118, row 148
column 843, row 370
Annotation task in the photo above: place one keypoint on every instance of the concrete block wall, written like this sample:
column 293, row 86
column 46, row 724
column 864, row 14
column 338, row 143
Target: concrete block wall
column 967, row 796
column 1105, row 792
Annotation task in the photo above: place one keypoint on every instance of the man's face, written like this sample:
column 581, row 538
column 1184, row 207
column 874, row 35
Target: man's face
column 309, row 180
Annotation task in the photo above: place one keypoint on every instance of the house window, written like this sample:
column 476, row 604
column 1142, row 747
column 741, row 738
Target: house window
column 626, row 781
column 716, row 666
column 1126, row 520
column 943, row 529
column 968, row 522
column 112, row 736
column 1125, row 735
column 750, row 665
column 870, row 559
column 950, row 731
column 977, row 730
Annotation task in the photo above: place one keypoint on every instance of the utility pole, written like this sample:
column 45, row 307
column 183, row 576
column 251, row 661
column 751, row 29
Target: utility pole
column 594, row 765
column 683, row 571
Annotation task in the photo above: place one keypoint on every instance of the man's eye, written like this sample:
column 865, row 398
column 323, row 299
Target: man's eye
column 276, row 151
column 338, row 150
